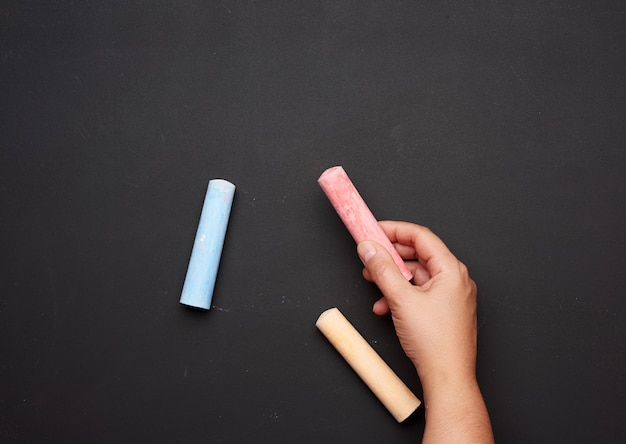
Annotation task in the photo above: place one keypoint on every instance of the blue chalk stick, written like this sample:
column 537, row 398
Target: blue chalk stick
column 207, row 247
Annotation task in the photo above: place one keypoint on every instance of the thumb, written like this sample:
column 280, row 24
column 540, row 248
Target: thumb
column 383, row 270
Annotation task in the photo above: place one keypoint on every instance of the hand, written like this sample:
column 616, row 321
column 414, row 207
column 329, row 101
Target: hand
column 435, row 319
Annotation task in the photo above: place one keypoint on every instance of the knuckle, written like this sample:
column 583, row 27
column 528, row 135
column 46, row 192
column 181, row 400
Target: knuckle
column 463, row 270
column 423, row 229
column 465, row 277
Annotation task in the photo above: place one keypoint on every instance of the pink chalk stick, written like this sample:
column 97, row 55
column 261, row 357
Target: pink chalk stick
column 355, row 214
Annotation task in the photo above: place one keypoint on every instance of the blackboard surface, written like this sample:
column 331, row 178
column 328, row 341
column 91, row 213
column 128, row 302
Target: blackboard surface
column 501, row 126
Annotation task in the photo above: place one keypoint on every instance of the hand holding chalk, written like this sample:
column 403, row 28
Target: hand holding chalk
column 435, row 320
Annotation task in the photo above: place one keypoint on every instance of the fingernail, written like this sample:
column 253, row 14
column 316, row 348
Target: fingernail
column 366, row 250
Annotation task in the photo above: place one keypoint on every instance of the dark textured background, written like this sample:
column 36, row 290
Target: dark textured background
column 500, row 126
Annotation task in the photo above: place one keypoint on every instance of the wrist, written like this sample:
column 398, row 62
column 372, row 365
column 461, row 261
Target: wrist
column 448, row 384
column 455, row 411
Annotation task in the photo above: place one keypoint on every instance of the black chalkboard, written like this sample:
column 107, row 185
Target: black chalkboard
column 500, row 126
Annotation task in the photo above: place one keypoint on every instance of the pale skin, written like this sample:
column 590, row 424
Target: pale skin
column 435, row 319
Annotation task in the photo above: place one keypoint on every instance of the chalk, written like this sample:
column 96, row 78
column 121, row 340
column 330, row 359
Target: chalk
column 355, row 214
column 207, row 247
column 378, row 376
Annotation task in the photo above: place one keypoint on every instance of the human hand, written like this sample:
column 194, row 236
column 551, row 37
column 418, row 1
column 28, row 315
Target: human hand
column 435, row 318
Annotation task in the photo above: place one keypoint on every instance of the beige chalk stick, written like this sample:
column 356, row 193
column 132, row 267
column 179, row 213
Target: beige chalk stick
column 378, row 376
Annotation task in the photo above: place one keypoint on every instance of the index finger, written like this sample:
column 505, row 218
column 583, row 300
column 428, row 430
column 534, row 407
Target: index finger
column 431, row 251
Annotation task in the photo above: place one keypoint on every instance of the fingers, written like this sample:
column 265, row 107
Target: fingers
column 420, row 274
column 418, row 242
column 406, row 252
column 412, row 242
column 381, row 307
column 383, row 271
